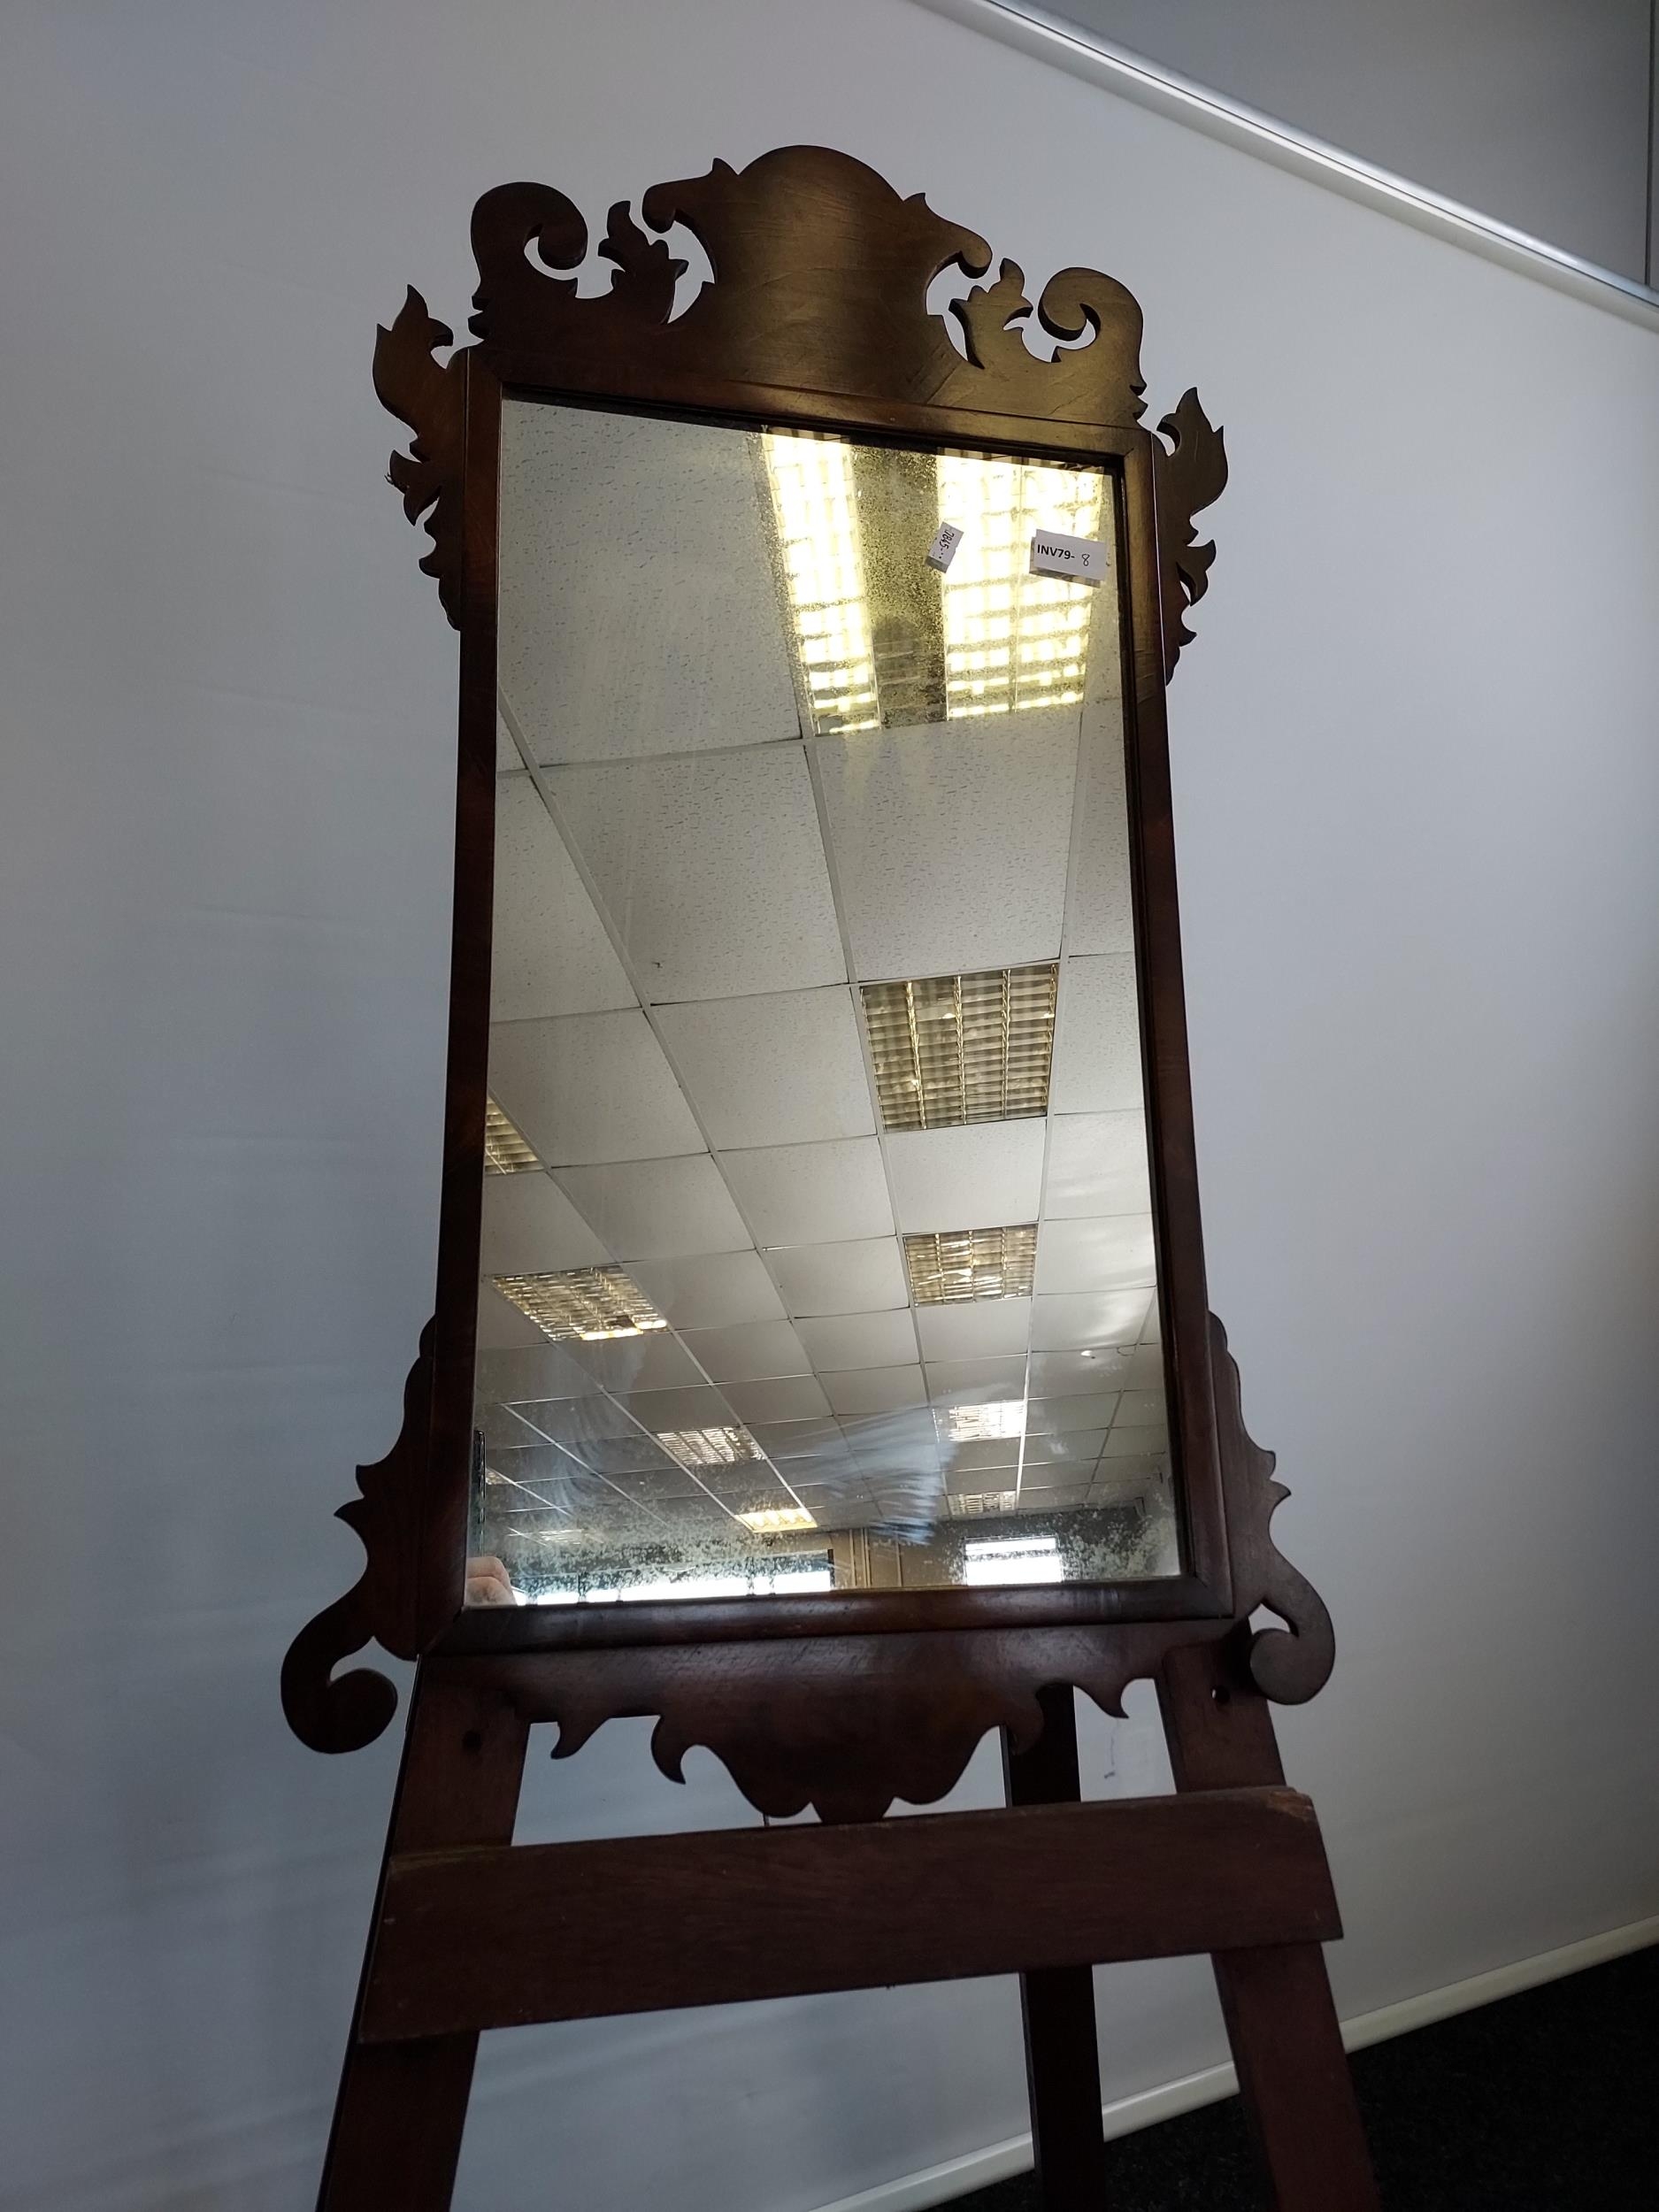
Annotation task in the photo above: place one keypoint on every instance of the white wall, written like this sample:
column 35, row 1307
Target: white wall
column 1417, row 790
column 1534, row 111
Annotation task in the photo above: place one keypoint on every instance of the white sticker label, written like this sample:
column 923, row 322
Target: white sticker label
column 1082, row 560
column 942, row 551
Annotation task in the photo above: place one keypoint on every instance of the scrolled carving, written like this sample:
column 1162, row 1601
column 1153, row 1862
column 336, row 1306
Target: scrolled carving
column 410, row 384
column 821, row 271
column 342, row 1713
column 1288, row 1664
column 1192, row 473
column 514, row 298
column 846, row 1724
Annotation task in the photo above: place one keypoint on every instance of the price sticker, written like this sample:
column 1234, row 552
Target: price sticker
column 942, row 551
column 1054, row 554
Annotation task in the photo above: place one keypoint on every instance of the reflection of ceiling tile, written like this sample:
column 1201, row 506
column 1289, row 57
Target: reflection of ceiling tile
column 1074, row 1321
column 589, row 1302
column 648, row 1209
column 1112, row 1254
column 1137, row 1407
column 965, row 1464
column 1097, row 1164
column 638, row 612
column 774, row 1069
column 949, row 1178
column 638, row 1362
column 951, row 840
column 1141, row 1368
column 981, row 1328
column 1097, row 1047
column 790, row 1398
column 811, row 1193
column 819, row 1440
column 531, row 1228
column 526, row 1373
column 501, row 1326
column 748, row 1352
column 1052, row 1497
column 1068, row 1374
column 711, row 870
column 589, row 1089
column 885, row 1443
column 549, row 954
column 975, row 1382
column 1092, row 1409
column 952, row 1267
column 860, row 1339
column 1125, row 1443
column 875, row 1389
column 1101, row 917
column 1126, row 1477
column 860, row 1276
column 947, row 1049
column 505, row 1151
column 695, row 1406
column 574, row 1423
column 1076, row 1448
column 710, row 1290
column 632, row 1455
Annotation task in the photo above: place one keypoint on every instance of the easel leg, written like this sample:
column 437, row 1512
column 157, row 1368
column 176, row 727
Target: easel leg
column 402, row 2107
column 1057, row 2003
column 1286, row 2042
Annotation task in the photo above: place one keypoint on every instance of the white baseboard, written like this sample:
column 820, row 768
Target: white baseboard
column 977, row 2169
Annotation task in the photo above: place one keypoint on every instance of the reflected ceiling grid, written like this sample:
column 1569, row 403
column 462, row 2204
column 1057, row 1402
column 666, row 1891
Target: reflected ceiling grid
column 541, row 782
column 527, row 753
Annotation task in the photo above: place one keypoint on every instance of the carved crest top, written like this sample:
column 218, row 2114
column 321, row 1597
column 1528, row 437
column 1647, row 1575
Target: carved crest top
column 814, row 258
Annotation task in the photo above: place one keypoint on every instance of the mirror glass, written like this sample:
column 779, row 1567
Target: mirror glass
column 818, row 1247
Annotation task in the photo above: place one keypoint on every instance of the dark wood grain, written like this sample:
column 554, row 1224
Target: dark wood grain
column 402, row 2108
column 330, row 1713
column 412, row 384
column 1056, row 2003
column 822, row 271
column 1192, row 474
column 1281, row 2024
column 845, row 1724
column 479, row 1939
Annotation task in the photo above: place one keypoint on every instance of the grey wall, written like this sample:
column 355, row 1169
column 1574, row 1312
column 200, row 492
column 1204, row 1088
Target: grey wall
column 1534, row 111
column 1418, row 798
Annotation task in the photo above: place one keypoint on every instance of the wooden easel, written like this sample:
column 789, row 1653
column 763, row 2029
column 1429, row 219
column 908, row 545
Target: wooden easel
column 472, row 1932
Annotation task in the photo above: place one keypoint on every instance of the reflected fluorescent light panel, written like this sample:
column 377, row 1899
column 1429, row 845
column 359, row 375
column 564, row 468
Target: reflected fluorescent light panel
column 951, row 1050
column 590, row 1304
column 982, row 1424
column 776, row 1520
column 1013, row 640
column 1015, row 1559
column 505, row 1150
column 814, row 503
column 709, row 1448
column 969, row 1505
column 949, row 1267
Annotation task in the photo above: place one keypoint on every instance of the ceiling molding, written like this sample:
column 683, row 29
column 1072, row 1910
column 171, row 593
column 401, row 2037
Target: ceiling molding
column 1096, row 60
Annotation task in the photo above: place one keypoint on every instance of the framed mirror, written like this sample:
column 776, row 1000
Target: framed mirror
column 819, row 1248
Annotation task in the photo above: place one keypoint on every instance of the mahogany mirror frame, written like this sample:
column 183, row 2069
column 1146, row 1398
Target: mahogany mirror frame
column 815, row 318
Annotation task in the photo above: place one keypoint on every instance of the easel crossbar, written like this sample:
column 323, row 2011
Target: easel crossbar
column 504, row 1936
